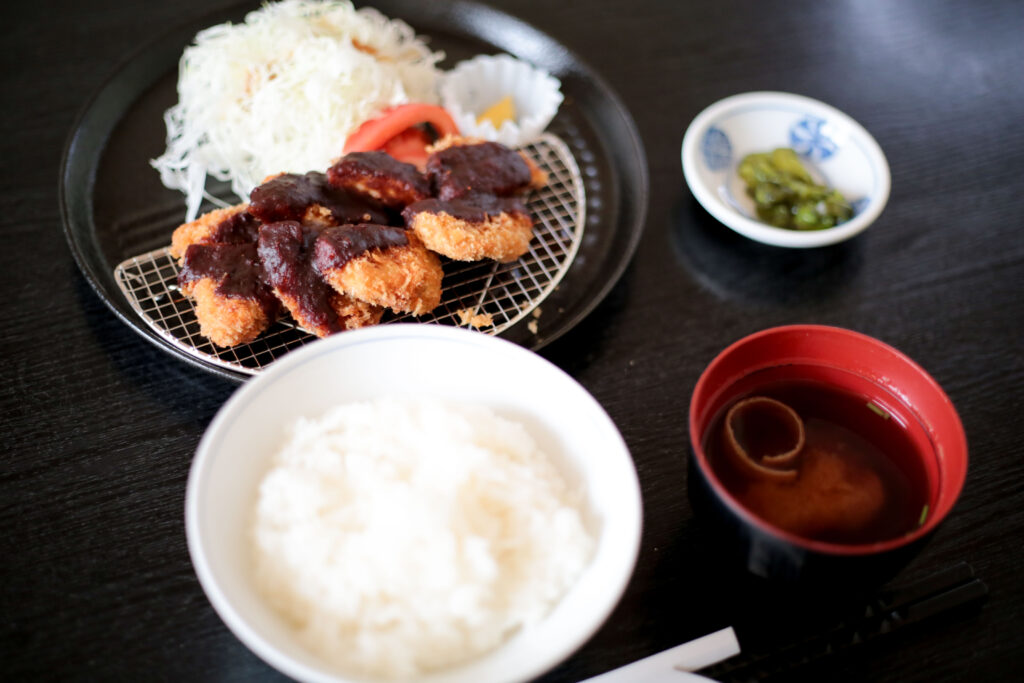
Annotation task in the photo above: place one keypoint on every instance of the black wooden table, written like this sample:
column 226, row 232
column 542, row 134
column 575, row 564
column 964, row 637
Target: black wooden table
column 98, row 426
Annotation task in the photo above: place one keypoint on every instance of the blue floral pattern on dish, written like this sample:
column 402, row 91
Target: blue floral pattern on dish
column 807, row 139
column 717, row 149
column 859, row 205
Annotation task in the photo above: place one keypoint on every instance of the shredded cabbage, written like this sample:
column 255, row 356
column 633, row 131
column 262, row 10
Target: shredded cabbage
column 281, row 92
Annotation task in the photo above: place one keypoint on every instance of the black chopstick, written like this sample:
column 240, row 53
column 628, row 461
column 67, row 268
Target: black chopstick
column 889, row 610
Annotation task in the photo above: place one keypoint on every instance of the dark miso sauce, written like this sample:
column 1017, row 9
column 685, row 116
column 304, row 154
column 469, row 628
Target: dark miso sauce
column 860, row 476
column 484, row 168
column 286, row 250
column 286, row 198
column 336, row 246
column 394, row 182
column 475, row 209
column 238, row 228
column 236, row 269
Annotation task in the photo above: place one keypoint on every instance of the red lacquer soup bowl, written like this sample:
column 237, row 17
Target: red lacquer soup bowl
column 931, row 450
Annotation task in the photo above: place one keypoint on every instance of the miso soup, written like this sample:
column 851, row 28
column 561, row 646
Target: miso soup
column 859, row 476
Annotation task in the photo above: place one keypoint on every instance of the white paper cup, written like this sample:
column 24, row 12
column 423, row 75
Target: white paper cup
column 475, row 85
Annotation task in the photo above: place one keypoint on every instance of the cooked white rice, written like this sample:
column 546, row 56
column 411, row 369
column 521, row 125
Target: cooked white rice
column 399, row 537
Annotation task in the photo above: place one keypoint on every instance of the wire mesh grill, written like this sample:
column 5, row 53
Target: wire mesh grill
column 484, row 294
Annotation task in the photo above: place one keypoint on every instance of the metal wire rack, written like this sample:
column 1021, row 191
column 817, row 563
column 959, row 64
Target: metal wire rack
column 487, row 295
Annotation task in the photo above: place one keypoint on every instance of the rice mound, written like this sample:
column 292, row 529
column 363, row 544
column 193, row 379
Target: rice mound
column 399, row 537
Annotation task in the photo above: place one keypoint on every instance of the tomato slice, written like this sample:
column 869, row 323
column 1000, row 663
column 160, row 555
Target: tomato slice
column 394, row 128
column 409, row 146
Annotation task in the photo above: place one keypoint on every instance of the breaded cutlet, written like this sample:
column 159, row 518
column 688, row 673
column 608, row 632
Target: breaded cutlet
column 290, row 196
column 233, row 304
column 381, row 176
column 473, row 229
column 513, row 181
column 353, row 313
column 225, row 321
column 285, row 250
column 382, row 265
column 205, row 229
column 348, row 313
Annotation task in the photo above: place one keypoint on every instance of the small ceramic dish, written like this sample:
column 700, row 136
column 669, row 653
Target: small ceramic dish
column 834, row 148
column 406, row 360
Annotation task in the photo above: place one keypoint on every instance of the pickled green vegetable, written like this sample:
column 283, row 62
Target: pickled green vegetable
column 787, row 196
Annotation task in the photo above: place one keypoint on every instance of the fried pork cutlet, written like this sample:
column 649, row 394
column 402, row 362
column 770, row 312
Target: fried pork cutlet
column 285, row 249
column 310, row 198
column 379, row 175
column 474, row 228
column 459, row 166
column 326, row 246
column 233, row 225
column 383, row 265
column 354, row 313
column 233, row 304
column 475, row 214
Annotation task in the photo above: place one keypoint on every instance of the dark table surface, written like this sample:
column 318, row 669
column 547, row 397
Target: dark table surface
column 98, row 426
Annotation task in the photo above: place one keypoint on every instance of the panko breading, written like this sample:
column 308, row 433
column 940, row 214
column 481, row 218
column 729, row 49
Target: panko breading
column 224, row 320
column 349, row 314
column 469, row 316
column 452, row 141
column 228, row 225
column 233, row 303
column 353, row 313
column 380, row 176
column 471, row 230
column 382, row 265
column 318, row 216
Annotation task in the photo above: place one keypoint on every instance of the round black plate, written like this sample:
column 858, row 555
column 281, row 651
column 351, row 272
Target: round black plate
column 114, row 206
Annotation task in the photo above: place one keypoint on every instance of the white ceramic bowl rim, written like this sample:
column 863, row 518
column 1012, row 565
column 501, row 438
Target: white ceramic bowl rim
column 197, row 490
column 763, row 232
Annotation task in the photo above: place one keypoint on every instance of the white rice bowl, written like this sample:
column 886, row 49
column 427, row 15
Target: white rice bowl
column 414, row 362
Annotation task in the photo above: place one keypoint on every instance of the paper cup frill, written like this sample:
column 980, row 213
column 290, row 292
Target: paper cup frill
column 475, row 85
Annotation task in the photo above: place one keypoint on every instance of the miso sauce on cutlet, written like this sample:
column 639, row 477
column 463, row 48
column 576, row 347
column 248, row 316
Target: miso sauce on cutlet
column 235, row 267
column 286, row 198
column 336, row 246
column 485, row 168
column 286, row 248
column 371, row 167
column 475, row 209
column 238, row 228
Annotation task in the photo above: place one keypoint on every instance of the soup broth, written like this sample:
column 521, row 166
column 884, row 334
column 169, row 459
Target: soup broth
column 859, row 477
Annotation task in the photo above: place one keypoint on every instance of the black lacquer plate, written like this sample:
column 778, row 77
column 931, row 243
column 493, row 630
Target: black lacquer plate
column 114, row 206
